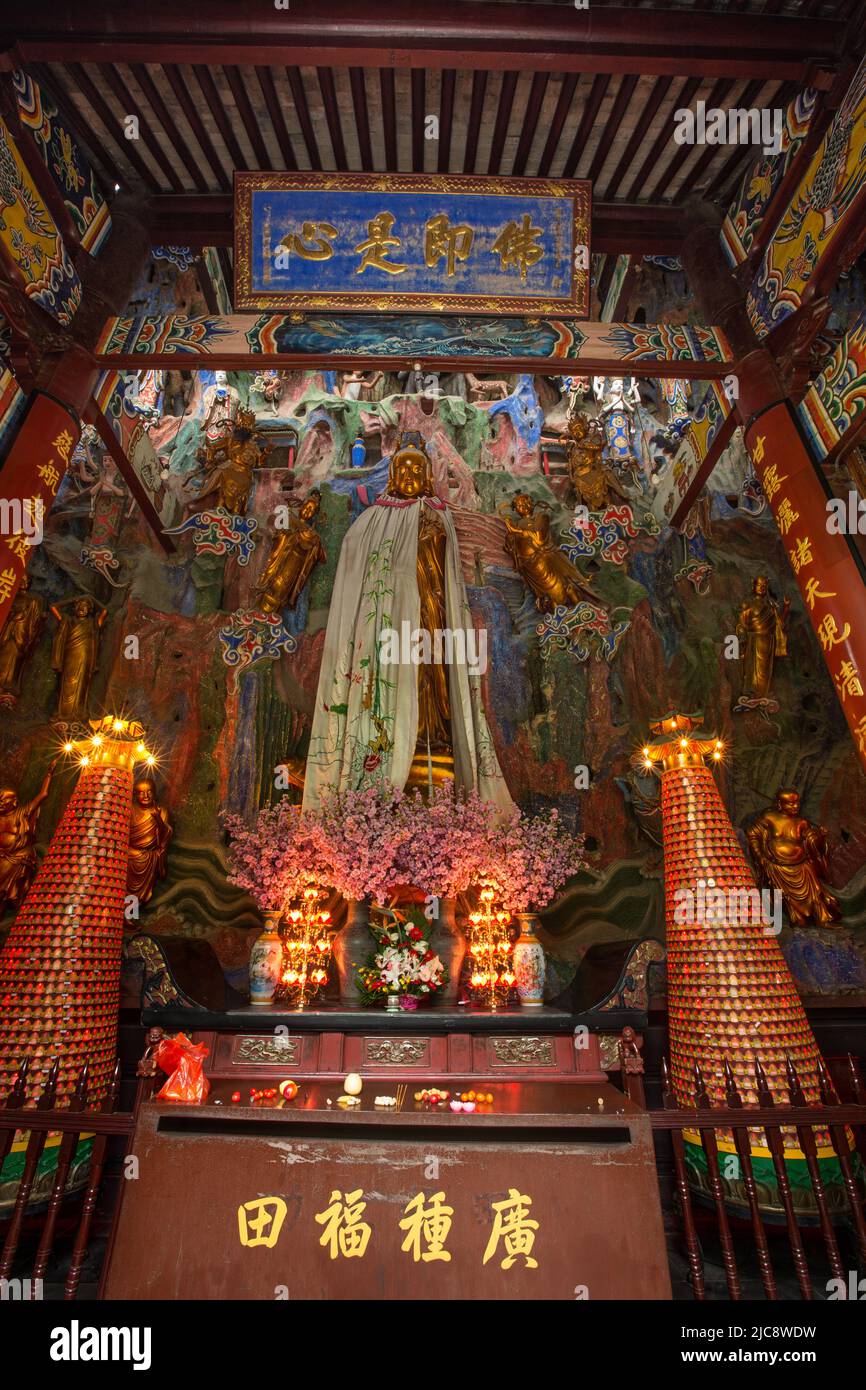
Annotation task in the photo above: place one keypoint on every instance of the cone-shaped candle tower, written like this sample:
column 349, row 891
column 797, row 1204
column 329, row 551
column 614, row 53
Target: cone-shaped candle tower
column 60, row 965
column 731, row 996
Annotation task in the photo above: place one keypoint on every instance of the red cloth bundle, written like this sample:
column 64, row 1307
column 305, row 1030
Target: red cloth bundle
column 182, row 1061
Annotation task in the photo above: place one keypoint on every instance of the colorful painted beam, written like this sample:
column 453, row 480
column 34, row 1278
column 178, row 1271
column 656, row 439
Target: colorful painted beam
column 708, row 434
column 446, row 342
column 823, row 221
column 66, row 162
column 833, row 410
column 30, row 241
column 763, row 181
column 621, row 281
column 121, row 429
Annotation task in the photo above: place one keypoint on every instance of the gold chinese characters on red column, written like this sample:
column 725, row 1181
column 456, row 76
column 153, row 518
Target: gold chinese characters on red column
column 830, row 582
column 29, row 480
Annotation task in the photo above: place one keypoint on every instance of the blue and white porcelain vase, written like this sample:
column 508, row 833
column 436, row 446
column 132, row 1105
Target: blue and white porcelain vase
column 266, row 962
column 529, row 962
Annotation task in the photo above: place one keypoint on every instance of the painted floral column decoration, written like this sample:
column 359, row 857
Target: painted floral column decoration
column 60, row 965
column 731, row 996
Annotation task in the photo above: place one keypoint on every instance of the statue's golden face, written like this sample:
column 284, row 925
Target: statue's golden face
column 8, row 799
column 144, row 794
column 761, row 584
column 309, row 509
column 789, row 803
column 410, row 474
column 523, row 504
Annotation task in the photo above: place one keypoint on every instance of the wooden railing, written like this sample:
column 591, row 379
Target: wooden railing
column 104, row 1123
column 777, row 1121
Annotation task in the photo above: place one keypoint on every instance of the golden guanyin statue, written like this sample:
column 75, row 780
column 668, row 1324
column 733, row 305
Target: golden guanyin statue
column 544, row 568
column 399, row 699
column 410, row 476
column 74, row 655
column 18, row 639
column 18, row 821
column 149, row 833
column 294, row 556
column 761, row 627
column 594, row 484
column 791, row 856
column 229, row 462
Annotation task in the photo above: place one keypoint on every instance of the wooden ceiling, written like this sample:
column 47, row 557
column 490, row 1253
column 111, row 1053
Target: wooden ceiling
column 525, row 89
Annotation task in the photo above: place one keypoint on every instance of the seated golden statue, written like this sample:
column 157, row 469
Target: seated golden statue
column 18, row 861
column 229, row 462
column 149, row 833
column 791, row 856
column 544, row 568
column 761, row 627
column 594, row 484
column 294, row 556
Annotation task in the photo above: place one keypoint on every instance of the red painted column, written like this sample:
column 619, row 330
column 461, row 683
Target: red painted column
column 38, row 458
column 829, row 578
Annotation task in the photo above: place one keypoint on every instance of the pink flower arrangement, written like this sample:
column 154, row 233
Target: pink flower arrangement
column 529, row 859
column 447, row 849
column 360, row 834
column 275, row 858
column 365, row 842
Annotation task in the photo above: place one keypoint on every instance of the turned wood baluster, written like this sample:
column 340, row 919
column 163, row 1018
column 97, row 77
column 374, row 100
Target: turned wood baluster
column 35, row 1145
column 693, row 1248
column 711, row 1151
column 147, row 1070
column 839, row 1136
column 68, row 1146
column 744, row 1153
column 777, row 1150
column 97, row 1162
column 14, row 1101
column 856, row 1083
column 631, row 1066
column 806, row 1136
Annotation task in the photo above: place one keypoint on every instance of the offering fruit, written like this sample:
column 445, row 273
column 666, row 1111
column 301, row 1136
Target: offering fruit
column 353, row 1084
column 288, row 1089
column 432, row 1096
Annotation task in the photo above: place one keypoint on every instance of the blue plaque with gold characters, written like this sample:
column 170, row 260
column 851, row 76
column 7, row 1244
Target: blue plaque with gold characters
column 386, row 242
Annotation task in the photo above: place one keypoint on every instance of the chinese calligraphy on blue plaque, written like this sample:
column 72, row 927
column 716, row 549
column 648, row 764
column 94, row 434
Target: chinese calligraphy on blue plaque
column 385, row 242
